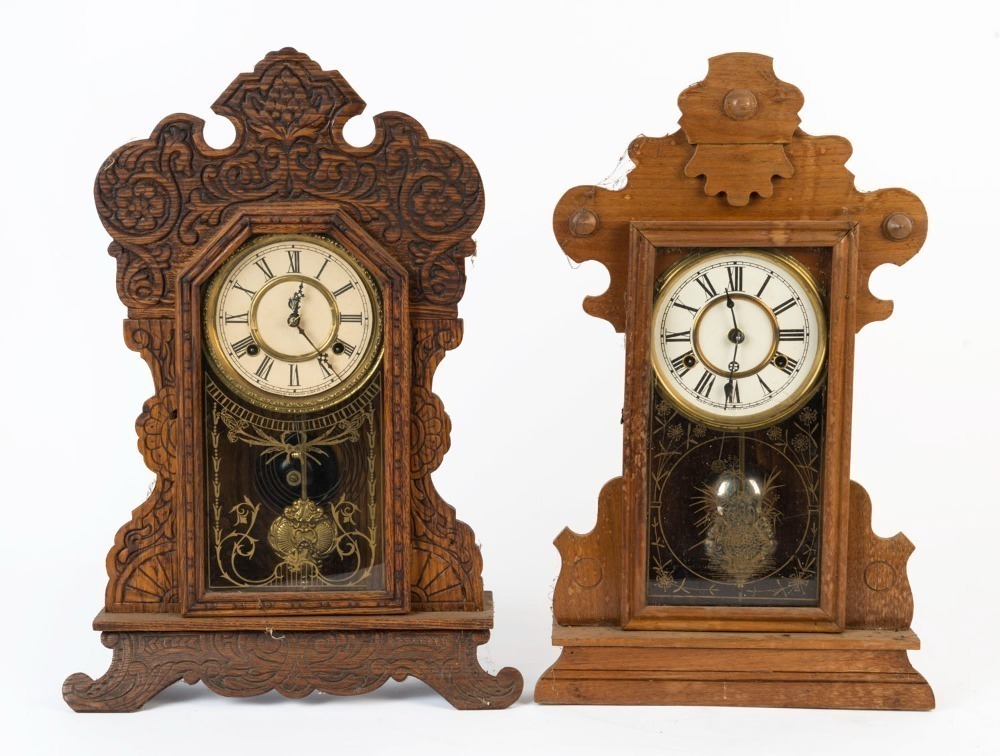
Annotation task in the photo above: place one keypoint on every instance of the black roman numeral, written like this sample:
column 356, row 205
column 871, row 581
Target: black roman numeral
column 322, row 268
column 241, row 318
column 735, row 278
column 246, row 291
column 681, row 336
column 791, row 334
column 786, row 305
column 692, row 310
column 785, row 364
column 293, row 375
column 241, row 346
column 767, row 389
column 343, row 289
column 293, row 261
column 264, row 369
column 348, row 349
column 323, row 366
column 264, row 268
column 680, row 364
column 350, row 318
column 763, row 286
column 732, row 392
column 705, row 284
column 705, row 384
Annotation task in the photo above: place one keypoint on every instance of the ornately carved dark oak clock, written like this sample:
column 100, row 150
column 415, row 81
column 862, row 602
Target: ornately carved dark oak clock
column 293, row 296
column 733, row 563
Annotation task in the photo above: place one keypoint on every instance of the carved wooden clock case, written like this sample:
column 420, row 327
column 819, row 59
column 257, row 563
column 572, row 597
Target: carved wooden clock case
column 734, row 563
column 293, row 296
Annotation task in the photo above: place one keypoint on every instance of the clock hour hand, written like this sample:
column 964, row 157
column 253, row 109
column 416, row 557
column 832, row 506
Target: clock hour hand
column 732, row 310
column 293, row 303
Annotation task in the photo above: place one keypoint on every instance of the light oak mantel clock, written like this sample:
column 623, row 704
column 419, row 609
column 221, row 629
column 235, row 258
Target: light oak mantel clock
column 293, row 296
column 733, row 563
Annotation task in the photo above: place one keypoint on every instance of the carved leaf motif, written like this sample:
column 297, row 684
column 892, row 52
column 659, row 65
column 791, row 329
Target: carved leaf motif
column 284, row 109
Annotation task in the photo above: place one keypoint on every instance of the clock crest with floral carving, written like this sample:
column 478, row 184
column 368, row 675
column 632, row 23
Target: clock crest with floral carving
column 733, row 563
column 293, row 296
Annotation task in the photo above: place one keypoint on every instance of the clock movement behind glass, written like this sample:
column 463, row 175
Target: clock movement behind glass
column 293, row 296
column 733, row 562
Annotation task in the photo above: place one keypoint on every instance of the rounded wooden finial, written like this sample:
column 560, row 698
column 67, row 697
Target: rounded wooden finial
column 583, row 222
column 897, row 226
column 740, row 104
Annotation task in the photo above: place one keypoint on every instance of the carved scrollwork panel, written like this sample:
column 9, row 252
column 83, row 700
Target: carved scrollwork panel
column 140, row 565
column 446, row 565
column 293, row 663
column 161, row 197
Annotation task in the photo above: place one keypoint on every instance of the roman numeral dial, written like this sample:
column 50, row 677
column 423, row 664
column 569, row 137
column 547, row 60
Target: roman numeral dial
column 737, row 337
column 293, row 322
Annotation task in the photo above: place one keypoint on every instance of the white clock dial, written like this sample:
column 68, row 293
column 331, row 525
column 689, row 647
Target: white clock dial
column 738, row 338
column 293, row 322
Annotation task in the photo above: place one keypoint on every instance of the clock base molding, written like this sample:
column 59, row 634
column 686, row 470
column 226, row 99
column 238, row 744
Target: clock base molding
column 249, row 656
column 855, row 669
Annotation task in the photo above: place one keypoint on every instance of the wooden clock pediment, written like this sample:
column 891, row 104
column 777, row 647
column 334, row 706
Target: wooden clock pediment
column 747, row 163
column 162, row 198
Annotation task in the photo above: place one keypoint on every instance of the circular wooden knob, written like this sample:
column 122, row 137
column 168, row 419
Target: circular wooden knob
column 897, row 226
column 583, row 222
column 740, row 104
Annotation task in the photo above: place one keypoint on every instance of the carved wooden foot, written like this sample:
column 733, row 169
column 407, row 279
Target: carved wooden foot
column 249, row 663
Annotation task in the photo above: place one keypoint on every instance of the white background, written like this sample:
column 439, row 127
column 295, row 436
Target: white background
column 543, row 96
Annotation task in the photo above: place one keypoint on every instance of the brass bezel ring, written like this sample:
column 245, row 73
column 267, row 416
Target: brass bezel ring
column 255, row 304
column 711, row 365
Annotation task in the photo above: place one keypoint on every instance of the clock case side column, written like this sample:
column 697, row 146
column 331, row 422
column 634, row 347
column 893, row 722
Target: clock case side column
column 142, row 563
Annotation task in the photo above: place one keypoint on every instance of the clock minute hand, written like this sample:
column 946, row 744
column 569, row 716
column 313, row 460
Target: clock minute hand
column 319, row 355
column 728, row 388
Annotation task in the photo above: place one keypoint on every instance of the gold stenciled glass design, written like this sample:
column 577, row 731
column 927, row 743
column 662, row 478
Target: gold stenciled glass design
column 293, row 322
column 294, row 502
column 734, row 518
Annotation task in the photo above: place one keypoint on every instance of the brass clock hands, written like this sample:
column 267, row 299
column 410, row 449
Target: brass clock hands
column 295, row 321
column 293, row 303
